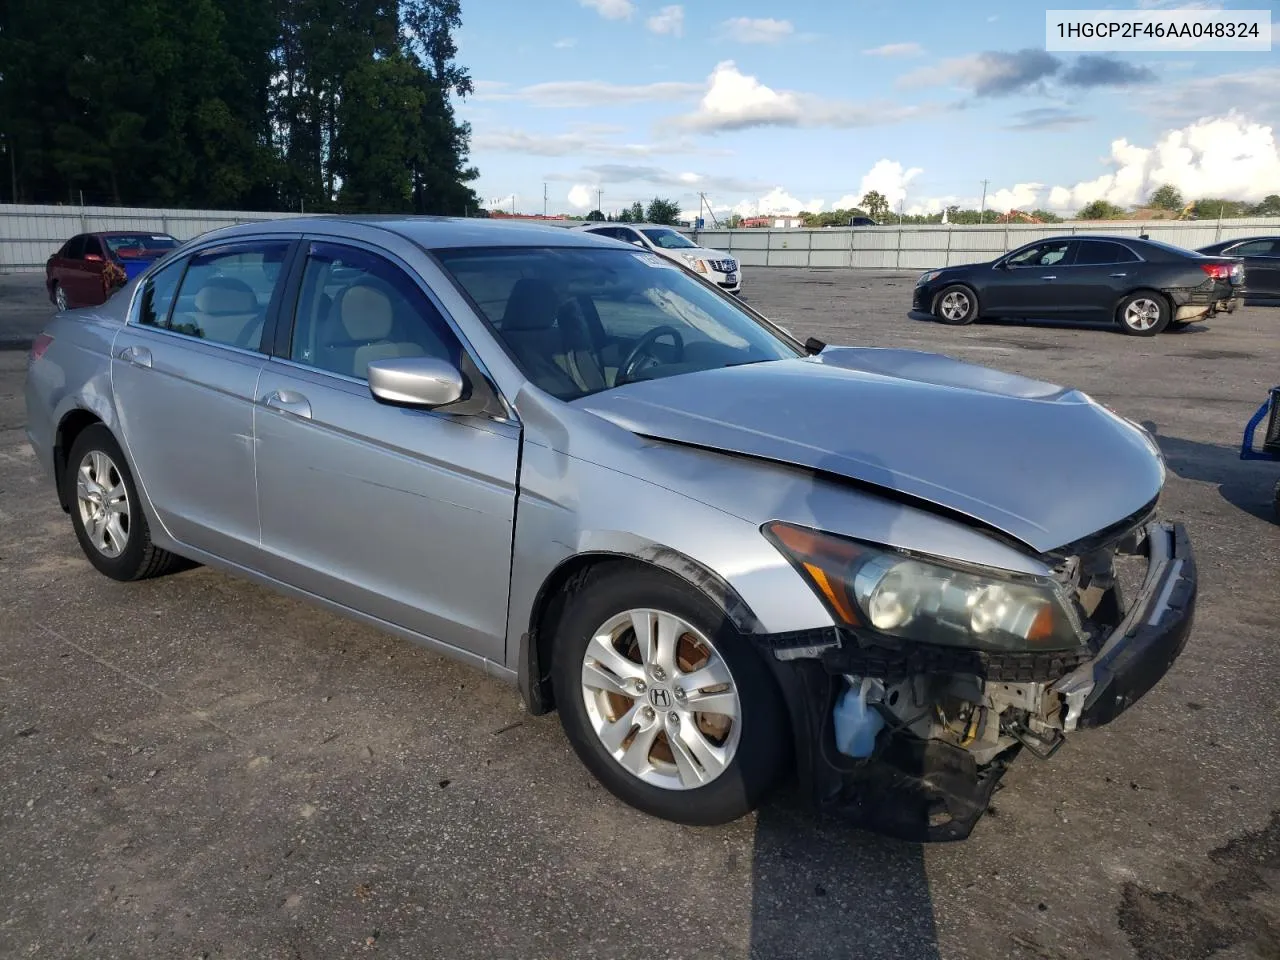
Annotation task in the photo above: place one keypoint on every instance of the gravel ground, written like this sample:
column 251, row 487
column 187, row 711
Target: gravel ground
column 194, row 767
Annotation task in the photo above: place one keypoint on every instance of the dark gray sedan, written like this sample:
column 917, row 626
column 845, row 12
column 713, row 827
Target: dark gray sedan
column 1261, row 256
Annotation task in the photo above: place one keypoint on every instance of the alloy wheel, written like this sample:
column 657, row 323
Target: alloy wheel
column 661, row 699
column 103, row 503
column 60, row 297
column 1142, row 314
column 955, row 305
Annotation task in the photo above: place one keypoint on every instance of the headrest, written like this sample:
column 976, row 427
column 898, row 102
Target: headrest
column 365, row 311
column 225, row 295
column 531, row 306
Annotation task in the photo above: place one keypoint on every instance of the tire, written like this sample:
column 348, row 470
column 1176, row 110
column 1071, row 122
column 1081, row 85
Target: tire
column 748, row 760
column 956, row 305
column 1143, row 314
column 121, row 549
column 59, row 297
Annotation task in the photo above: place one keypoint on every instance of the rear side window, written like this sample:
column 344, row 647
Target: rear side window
column 1255, row 248
column 1102, row 252
column 157, row 295
column 92, row 246
column 356, row 307
column 74, row 249
column 226, row 292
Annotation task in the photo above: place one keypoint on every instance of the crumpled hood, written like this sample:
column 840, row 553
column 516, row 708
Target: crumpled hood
column 1042, row 463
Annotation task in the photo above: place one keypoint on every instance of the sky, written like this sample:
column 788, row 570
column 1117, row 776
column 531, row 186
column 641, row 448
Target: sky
column 769, row 107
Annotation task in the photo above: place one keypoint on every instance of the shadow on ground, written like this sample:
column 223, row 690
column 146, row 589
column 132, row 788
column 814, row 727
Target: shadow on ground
column 1247, row 484
column 840, row 886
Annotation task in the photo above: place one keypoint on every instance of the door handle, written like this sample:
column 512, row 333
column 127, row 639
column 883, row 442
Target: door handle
column 287, row 401
column 138, row 356
column 1049, row 278
column 1119, row 274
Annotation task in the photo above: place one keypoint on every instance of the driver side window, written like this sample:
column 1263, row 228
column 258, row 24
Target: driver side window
column 1041, row 255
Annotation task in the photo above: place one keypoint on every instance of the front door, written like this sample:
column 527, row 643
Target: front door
column 402, row 514
column 184, row 371
column 1025, row 284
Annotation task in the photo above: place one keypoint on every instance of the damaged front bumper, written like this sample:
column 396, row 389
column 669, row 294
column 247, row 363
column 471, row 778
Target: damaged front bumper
column 930, row 778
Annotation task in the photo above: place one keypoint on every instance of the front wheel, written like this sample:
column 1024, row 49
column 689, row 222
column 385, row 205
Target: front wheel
column 956, row 305
column 59, row 297
column 664, row 701
column 1143, row 314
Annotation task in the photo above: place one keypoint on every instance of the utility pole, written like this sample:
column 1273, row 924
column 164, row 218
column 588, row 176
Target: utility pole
column 513, row 204
column 982, row 215
column 600, row 199
column 544, row 198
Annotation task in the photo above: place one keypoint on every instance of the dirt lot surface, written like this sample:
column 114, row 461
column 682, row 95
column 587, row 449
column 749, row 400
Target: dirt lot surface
column 193, row 767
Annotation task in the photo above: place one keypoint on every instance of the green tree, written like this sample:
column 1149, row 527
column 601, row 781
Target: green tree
column 1211, row 208
column 624, row 215
column 637, row 212
column 662, row 211
column 876, row 205
column 595, row 215
column 1269, row 207
column 1100, row 210
column 1166, row 197
column 1046, row 216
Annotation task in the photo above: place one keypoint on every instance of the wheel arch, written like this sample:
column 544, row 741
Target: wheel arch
column 536, row 644
column 73, row 423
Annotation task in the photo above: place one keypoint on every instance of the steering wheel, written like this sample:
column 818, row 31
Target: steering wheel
column 630, row 366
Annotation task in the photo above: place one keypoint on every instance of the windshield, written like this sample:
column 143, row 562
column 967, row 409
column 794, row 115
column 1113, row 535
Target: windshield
column 578, row 320
column 669, row 239
column 138, row 244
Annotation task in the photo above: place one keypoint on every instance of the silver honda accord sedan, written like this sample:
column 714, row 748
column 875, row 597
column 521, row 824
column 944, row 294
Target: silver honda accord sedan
column 728, row 559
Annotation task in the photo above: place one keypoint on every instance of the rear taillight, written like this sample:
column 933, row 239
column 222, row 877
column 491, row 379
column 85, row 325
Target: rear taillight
column 39, row 345
column 1219, row 271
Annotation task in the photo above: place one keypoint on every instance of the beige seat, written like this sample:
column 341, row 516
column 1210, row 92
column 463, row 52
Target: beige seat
column 225, row 310
column 362, row 327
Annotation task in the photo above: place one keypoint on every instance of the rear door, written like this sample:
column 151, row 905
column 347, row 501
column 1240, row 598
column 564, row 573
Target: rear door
column 89, row 280
column 66, row 269
column 1100, row 275
column 1027, row 283
column 184, row 371
column 402, row 514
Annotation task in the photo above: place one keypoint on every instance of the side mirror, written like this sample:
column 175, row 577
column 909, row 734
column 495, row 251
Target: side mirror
column 425, row 382
column 639, row 243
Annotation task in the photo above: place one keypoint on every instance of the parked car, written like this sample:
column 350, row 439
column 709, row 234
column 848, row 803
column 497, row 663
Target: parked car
column 720, row 268
column 90, row 267
column 691, row 550
column 1144, row 286
column 1261, row 256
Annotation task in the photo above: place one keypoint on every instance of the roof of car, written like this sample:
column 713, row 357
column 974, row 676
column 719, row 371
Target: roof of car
column 433, row 232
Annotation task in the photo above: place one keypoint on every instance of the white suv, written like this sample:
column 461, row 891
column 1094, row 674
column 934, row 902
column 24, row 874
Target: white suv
column 718, row 267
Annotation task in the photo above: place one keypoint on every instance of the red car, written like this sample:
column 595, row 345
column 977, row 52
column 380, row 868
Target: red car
column 92, row 266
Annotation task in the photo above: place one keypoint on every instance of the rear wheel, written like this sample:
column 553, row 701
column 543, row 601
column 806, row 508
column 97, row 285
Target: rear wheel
column 664, row 701
column 956, row 305
column 59, row 296
column 1143, row 314
column 105, row 510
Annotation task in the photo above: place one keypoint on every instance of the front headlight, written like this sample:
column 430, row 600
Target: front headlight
column 699, row 265
column 930, row 601
column 928, row 276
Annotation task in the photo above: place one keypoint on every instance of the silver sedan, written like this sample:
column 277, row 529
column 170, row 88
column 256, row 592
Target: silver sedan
column 725, row 557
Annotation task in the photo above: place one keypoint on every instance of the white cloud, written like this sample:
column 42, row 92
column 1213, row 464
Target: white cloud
column 1226, row 156
column 581, row 197
column 586, row 140
column 1190, row 100
column 888, row 177
column 565, row 44
column 611, row 9
column 737, row 101
column 627, row 174
column 668, row 20
column 896, row 50
column 578, row 94
column 757, row 30
column 777, row 202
